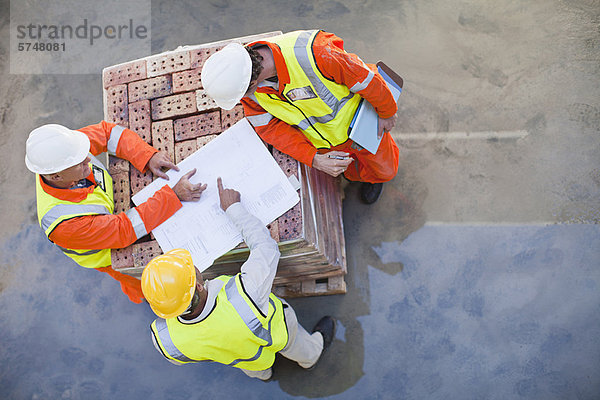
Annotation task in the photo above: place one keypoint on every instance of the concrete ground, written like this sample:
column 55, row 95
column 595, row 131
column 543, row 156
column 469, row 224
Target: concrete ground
column 476, row 275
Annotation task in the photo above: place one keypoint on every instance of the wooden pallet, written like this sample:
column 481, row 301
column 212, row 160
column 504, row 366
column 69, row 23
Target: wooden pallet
column 313, row 287
column 160, row 97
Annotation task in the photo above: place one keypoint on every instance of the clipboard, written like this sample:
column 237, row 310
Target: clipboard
column 365, row 124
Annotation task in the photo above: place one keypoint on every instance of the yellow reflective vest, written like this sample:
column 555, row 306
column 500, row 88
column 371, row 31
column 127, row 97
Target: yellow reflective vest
column 321, row 108
column 52, row 211
column 235, row 332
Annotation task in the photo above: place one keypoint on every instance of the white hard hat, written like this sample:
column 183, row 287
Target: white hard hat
column 52, row 148
column 226, row 75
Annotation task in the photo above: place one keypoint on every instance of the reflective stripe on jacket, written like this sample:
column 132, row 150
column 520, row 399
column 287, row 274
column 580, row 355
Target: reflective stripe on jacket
column 322, row 109
column 235, row 332
column 52, row 211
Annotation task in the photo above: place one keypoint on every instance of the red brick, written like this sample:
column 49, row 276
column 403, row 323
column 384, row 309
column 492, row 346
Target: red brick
column 139, row 119
column 203, row 140
column 121, row 258
column 288, row 165
column 184, row 149
column 116, row 105
column 229, row 118
column 187, row 80
column 197, row 125
column 150, row 88
column 121, row 191
column 290, row 224
column 144, row 252
column 273, row 228
column 163, row 64
column 178, row 104
column 199, row 56
column 204, row 102
column 138, row 180
column 124, row 73
column 162, row 137
column 117, row 165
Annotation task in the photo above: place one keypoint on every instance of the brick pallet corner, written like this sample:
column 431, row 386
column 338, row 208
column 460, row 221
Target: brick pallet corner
column 161, row 98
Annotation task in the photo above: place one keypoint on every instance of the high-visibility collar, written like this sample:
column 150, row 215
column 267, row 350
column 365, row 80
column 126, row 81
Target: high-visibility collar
column 234, row 333
column 75, row 195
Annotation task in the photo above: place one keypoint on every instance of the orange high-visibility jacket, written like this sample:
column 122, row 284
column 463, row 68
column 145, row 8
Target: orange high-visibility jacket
column 334, row 63
column 107, row 231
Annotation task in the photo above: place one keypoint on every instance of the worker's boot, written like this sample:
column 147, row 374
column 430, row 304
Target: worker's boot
column 370, row 192
column 326, row 326
column 268, row 376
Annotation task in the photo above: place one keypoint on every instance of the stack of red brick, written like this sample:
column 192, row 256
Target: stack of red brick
column 161, row 98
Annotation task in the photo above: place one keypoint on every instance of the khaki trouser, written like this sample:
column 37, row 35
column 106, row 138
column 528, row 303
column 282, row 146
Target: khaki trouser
column 302, row 347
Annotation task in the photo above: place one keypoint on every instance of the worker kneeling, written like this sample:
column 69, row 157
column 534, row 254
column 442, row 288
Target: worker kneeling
column 233, row 320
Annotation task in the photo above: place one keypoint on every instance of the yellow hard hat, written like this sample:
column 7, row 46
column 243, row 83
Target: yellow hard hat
column 168, row 283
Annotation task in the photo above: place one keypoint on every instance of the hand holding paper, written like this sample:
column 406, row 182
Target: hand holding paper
column 160, row 161
column 186, row 190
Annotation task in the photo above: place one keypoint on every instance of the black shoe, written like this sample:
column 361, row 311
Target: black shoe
column 326, row 326
column 370, row 192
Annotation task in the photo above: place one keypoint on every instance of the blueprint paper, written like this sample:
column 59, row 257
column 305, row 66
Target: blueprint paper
column 243, row 162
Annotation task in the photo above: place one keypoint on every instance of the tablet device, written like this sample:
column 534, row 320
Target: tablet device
column 365, row 124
